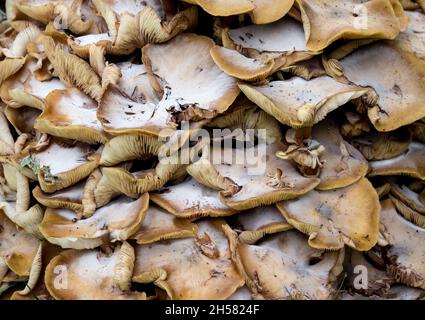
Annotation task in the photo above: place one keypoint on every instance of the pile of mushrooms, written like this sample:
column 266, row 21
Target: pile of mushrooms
column 108, row 189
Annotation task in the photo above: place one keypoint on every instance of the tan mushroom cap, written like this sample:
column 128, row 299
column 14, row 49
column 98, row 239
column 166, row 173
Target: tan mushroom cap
column 22, row 119
column 256, row 51
column 397, row 77
column 68, row 198
column 18, row 248
column 86, row 275
column 283, row 266
column 160, row 225
column 189, row 80
column 71, row 114
column 9, row 67
column 343, row 164
column 381, row 146
column 337, row 217
column 243, row 115
column 190, row 269
column 22, row 88
column 412, row 215
column 408, row 197
column 326, row 21
column 257, row 178
column 297, row 102
column 191, row 199
column 406, row 263
column 410, row 163
column 413, row 39
column 259, row 222
column 61, row 227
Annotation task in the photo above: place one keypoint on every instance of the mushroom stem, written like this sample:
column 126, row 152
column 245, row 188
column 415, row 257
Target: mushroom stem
column 124, row 267
column 34, row 273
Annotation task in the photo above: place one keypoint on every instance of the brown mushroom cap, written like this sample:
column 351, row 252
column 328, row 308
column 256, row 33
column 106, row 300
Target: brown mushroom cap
column 71, row 114
column 86, row 275
column 60, row 227
column 326, row 21
column 18, row 248
column 191, row 199
column 68, row 198
column 401, row 94
column 381, row 146
column 337, row 217
column 283, row 266
column 252, row 182
column 410, row 163
column 406, row 263
column 159, row 225
column 256, row 51
column 259, row 222
column 413, row 39
column 297, row 102
column 190, row 268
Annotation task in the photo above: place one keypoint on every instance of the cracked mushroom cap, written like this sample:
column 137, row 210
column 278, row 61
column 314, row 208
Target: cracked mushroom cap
column 60, row 165
column 71, row 114
column 334, row 218
column 252, row 177
column 190, row 269
column 381, row 146
column 91, row 275
column 283, row 266
column 326, row 21
column 23, row 88
column 298, row 103
column 62, row 227
column 410, row 163
column 160, row 225
column 405, row 262
column 255, row 52
column 396, row 75
column 18, row 248
column 191, row 199
column 256, row 223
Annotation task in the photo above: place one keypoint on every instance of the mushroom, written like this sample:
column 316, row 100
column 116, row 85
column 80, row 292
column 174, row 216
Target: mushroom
column 297, row 102
column 409, row 163
column 71, row 114
column 254, row 224
column 260, row 11
column 66, row 275
column 257, row 178
column 404, row 263
column 326, row 155
column 283, row 266
column 255, row 52
column 60, row 165
column 159, row 225
column 326, row 21
column 334, row 218
column 190, row 269
column 191, row 199
column 62, row 227
column 400, row 93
